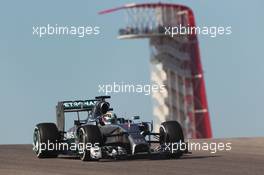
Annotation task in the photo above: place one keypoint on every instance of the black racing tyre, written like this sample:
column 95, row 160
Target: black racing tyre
column 89, row 135
column 45, row 138
column 171, row 132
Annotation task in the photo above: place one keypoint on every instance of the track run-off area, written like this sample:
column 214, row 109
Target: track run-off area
column 246, row 157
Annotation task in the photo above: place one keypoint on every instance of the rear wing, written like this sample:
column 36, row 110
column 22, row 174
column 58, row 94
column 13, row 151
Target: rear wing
column 75, row 106
column 79, row 105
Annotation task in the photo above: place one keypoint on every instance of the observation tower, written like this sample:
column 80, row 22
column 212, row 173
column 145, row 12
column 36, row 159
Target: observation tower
column 175, row 63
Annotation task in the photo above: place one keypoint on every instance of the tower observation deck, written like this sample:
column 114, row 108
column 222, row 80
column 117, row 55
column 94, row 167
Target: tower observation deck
column 175, row 63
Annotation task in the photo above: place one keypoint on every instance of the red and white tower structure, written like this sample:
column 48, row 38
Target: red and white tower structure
column 175, row 63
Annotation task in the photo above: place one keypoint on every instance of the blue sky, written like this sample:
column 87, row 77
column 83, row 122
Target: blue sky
column 36, row 73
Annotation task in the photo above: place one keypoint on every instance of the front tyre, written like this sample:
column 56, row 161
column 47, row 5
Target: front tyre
column 90, row 137
column 45, row 137
column 171, row 133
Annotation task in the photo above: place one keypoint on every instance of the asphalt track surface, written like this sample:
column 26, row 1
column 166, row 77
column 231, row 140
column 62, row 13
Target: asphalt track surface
column 245, row 157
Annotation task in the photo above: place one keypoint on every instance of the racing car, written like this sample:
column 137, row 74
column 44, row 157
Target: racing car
column 104, row 135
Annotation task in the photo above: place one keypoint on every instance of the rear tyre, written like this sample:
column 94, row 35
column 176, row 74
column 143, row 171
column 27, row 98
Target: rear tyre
column 45, row 135
column 171, row 132
column 89, row 135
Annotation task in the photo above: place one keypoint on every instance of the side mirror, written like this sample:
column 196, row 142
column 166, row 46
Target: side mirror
column 135, row 117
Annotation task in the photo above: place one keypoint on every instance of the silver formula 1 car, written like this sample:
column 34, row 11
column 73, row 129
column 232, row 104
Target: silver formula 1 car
column 103, row 135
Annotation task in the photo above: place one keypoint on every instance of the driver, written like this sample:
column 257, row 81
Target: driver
column 108, row 118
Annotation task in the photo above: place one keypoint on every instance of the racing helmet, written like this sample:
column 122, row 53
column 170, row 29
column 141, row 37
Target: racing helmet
column 109, row 118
